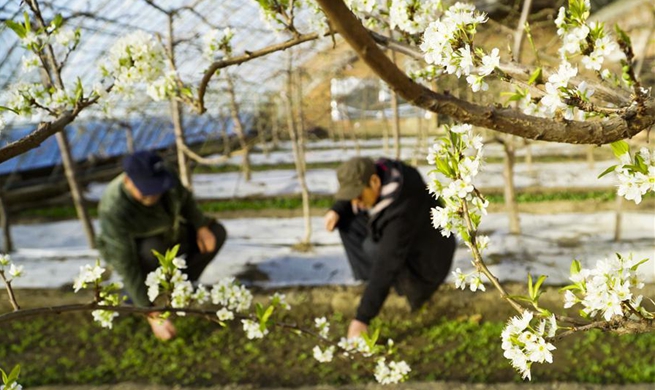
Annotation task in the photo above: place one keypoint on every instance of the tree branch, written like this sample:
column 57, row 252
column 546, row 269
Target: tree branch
column 209, row 73
column 43, row 131
column 495, row 118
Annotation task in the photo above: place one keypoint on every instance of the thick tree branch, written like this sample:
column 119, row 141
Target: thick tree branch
column 495, row 118
column 247, row 56
column 42, row 132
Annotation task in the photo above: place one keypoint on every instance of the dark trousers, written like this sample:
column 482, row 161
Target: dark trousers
column 362, row 252
column 196, row 262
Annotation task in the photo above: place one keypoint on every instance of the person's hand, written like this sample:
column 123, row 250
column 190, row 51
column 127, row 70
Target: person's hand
column 331, row 220
column 206, row 240
column 356, row 329
column 163, row 329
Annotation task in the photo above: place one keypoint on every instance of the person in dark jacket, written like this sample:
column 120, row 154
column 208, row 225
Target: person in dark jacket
column 383, row 215
column 147, row 208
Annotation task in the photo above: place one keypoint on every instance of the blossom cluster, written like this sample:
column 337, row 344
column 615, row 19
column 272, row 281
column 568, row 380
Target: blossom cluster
column 109, row 294
column 232, row 296
column 27, row 99
column 448, row 41
column 88, row 274
column 412, row 16
column 578, row 37
column 216, row 41
column 636, row 174
column 472, row 279
column 135, row 58
column 457, row 158
column 606, row 290
column 391, row 373
column 13, row 271
column 12, row 386
column 253, row 329
column 524, row 343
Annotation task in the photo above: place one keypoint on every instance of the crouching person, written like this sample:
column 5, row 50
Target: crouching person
column 383, row 215
column 147, row 208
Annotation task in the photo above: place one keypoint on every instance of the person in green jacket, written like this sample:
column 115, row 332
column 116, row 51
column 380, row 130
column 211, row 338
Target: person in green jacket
column 147, row 208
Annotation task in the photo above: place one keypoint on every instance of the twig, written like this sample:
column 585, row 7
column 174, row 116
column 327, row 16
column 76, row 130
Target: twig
column 10, row 291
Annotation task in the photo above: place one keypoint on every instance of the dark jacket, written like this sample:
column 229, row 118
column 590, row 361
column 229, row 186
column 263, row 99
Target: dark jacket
column 123, row 220
column 406, row 243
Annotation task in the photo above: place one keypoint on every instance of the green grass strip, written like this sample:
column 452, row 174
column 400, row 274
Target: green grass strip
column 70, row 349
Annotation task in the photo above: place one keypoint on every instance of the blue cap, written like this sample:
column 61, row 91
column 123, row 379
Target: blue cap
column 148, row 173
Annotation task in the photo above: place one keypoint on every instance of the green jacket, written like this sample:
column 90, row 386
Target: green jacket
column 123, row 220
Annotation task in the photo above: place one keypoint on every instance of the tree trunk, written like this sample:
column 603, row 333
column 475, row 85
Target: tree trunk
column 298, row 159
column 618, row 217
column 129, row 139
column 227, row 143
column 348, row 124
column 302, row 164
column 396, row 114
column 176, row 116
column 238, row 128
column 590, row 156
column 511, row 204
column 76, row 192
column 5, row 226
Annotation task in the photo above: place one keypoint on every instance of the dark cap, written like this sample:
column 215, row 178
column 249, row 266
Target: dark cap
column 148, row 173
column 353, row 176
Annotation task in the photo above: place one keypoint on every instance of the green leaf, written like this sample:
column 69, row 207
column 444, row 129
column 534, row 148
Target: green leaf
column 536, row 77
column 620, row 148
column 28, row 26
column 575, row 267
column 537, row 286
column 530, row 290
column 17, row 27
column 4, row 376
column 608, row 170
column 640, row 165
column 259, row 309
column 634, row 267
column 622, row 36
column 268, row 313
column 187, row 92
column 13, row 375
column 58, row 21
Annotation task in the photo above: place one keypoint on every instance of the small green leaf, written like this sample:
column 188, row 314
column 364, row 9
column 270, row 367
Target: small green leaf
column 537, row 286
column 28, row 26
column 575, row 267
column 536, row 77
column 608, row 170
column 530, row 290
column 17, row 28
column 4, row 376
column 13, row 375
column 634, row 267
column 57, row 21
column 620, row 148
column 520, row 298
column 259, row 309
column 268, row 313
column 622, row 36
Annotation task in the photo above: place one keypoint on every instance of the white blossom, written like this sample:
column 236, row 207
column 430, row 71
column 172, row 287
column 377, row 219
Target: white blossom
column 490, row 62
column 88, row 274
column 65, row 37
column 421, row 12
column 104, row 317
column 224, row 315
column 253, row 330
column 523, row 344
column 15, row 271
column 392, row 373
column 323, row 356
column 323, row 326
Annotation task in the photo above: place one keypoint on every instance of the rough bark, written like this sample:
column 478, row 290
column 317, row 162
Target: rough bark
column 505, row 120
